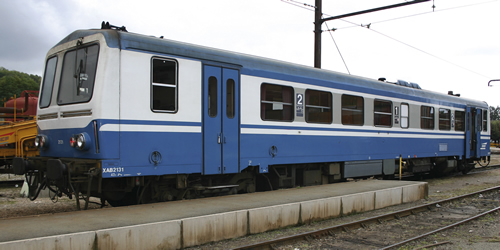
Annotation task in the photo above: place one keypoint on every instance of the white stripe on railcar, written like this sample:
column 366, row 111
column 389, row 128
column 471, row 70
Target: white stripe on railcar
column 150, row 128
column 266, row 131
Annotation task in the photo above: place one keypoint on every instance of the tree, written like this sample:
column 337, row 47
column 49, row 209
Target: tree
column 13, row 83
column 495, row 123
column 494, row 113
column 495, row 130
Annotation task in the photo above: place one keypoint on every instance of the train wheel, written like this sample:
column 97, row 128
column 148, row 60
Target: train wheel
column 120, row 199
column 114, row 191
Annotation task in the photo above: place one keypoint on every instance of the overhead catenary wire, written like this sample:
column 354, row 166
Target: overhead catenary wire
column 300, row 5
column 354, row 25
column 331, row 35
column 369, row 26
column 311, row 8
column 429, row 54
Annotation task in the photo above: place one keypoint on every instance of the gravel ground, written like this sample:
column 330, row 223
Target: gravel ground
column 480, row 234
column 12, row 204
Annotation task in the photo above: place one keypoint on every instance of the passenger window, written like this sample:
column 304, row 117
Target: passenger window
column 382, row 113
column 352, row 110
column 459, row 120
column 164, row 85
column 444, row 119
column 48, row 82
column 318, row 106
column 426, row 117
column 276, row 102
column 485, row 120
column 405, row 119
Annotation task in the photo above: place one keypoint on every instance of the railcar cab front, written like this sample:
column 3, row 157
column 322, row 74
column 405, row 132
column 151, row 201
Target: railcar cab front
column 78, row 95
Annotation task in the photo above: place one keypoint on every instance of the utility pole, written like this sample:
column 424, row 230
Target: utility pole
column 318, row 21
column 318, row 13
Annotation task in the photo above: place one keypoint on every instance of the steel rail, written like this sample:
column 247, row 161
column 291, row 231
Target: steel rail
column 441, row 229
column 358, row 224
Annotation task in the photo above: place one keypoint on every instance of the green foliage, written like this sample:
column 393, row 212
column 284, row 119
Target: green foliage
column 495, row 123
column 13, row 83
column 494, row 113
column 495, row 130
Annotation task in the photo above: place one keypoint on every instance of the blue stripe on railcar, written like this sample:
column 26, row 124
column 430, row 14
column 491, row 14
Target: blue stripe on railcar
column 291, row 149
column 59, row 146
column 128, row 153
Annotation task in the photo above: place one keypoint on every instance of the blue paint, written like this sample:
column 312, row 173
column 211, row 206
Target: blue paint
column 220, row 147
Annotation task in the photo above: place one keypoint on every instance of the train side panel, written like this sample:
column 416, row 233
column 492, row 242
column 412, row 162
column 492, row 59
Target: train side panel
column 267, row 143
column 158, row 140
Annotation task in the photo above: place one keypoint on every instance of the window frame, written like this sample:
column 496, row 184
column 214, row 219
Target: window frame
column 427, row 118
column 307, row 106
column 407, row 115
column 444, row 122
column 63, row 72
column 230, row 98
column 345, row 109
column 460, row 122
column 263, row 102
column 485, row 120
column 375, row 113
column 164, row 85
column 44, row 83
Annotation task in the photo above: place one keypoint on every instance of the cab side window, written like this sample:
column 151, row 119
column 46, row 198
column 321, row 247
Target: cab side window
column 163, row 85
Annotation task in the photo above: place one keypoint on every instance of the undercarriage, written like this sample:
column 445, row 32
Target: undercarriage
column 82, row 179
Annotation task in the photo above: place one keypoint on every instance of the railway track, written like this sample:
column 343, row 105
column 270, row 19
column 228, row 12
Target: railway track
column 373, row 221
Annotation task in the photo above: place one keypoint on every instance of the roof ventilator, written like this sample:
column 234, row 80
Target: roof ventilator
column 107, row 26
column 401, row 83
column 408, row 84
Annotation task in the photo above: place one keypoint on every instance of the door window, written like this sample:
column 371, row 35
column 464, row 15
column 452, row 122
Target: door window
column 230, row 98
column 212, row 96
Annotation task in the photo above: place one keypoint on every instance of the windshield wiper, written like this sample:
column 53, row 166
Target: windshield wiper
column 80, row 74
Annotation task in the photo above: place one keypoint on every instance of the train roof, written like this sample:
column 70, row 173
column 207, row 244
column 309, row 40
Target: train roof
column 259, row 66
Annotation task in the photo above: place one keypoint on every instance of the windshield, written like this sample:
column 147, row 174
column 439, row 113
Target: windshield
column 78, row 74
column 48, row 82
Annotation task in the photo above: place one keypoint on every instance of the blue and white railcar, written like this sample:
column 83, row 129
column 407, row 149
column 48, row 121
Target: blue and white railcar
column 133, row 118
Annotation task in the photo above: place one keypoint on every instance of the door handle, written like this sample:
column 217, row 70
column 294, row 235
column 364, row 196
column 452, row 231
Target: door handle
column 218, row 138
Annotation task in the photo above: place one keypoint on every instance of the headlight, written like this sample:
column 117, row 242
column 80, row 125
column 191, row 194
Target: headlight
column 41, row 141
column 37, row 142
column 81, row 141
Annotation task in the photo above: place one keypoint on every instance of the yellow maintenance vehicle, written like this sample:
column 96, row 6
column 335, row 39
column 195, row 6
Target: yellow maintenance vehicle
column 18, row 129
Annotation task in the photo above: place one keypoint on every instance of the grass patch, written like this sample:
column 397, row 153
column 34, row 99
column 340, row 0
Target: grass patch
column 8, row 202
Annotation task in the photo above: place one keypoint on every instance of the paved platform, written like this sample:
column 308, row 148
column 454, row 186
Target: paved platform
column 187, row 223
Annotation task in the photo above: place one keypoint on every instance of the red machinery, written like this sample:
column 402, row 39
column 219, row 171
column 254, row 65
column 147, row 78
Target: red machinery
column 20, row 108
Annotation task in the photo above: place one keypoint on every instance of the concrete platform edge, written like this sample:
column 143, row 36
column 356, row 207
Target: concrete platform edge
column 176, row 234
column 82, row 240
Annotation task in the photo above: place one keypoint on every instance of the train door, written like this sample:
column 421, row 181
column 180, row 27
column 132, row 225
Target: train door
column 472, row 132
column 221, row 120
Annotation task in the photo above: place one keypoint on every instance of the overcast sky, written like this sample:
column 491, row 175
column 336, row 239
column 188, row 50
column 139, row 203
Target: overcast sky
column 456, row 47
